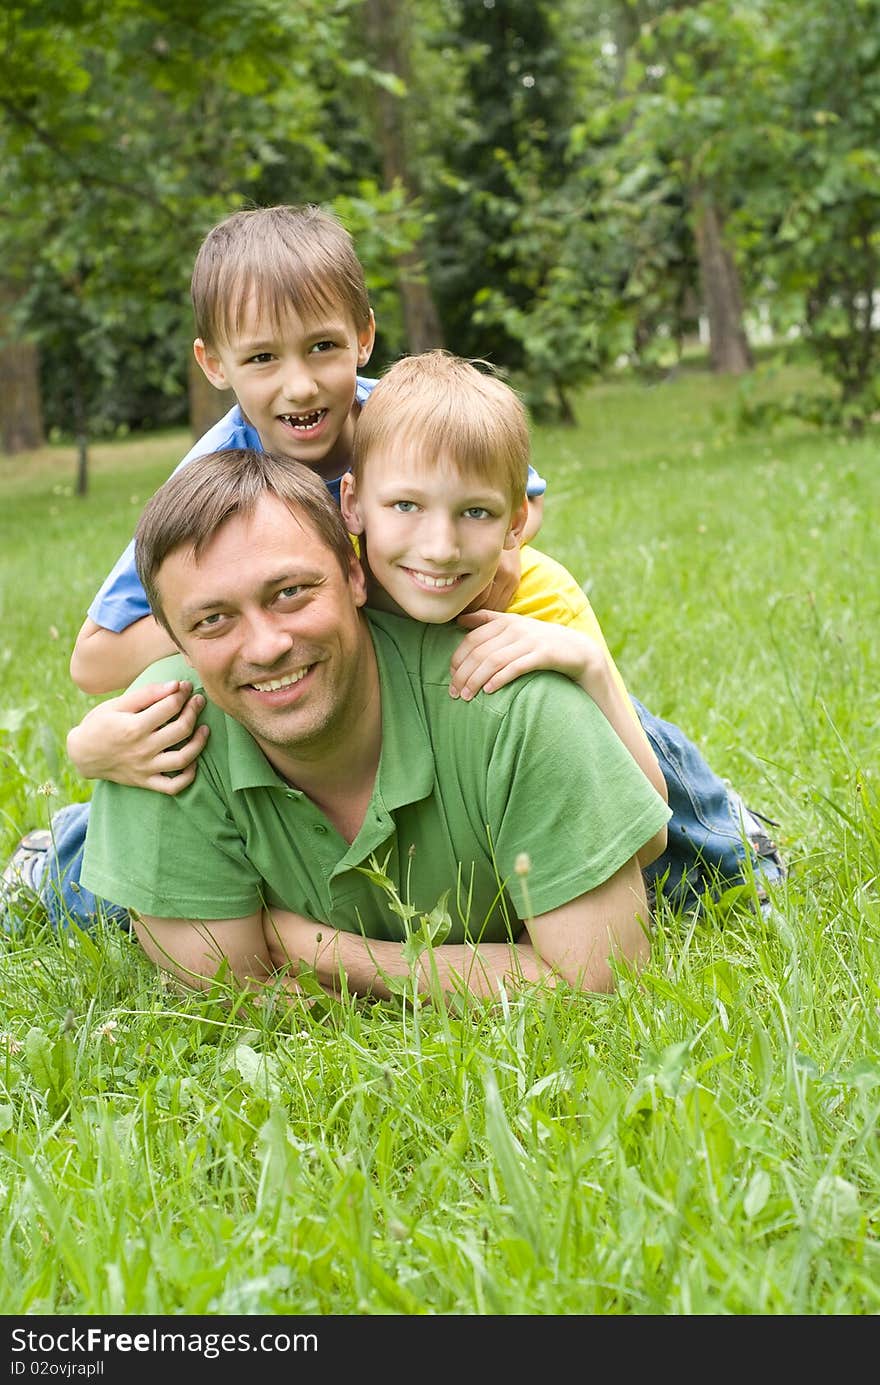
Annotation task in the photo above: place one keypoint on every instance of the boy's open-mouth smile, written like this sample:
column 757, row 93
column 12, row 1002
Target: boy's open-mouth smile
column 304, row 423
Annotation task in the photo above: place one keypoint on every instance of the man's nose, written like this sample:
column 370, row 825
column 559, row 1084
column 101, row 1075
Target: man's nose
column 266, row 640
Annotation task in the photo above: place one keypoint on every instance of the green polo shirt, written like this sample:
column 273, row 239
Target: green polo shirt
column 462, row 789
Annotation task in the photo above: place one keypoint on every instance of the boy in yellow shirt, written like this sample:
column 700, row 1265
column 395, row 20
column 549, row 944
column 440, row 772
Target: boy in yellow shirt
column 435, row 495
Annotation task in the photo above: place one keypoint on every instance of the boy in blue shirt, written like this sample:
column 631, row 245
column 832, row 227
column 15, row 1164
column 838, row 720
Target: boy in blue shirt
column 283, row 319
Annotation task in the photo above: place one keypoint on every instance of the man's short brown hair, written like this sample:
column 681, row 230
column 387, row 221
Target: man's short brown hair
column 298, row 257
column 446, row 407
column 201, row 496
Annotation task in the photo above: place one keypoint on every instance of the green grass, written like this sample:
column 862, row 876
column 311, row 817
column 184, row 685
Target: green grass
column 703, row 1142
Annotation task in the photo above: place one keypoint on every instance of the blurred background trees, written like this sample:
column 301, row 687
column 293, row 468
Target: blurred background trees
column 558, row 186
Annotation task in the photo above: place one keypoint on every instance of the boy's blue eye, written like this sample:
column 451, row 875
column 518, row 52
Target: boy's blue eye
column 477, row 512
column 405, row 507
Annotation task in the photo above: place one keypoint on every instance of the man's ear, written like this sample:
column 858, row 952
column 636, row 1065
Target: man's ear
column 211, row 364
column 358, row 579
column 517, row 525
column 366, row 338
column 348, row 504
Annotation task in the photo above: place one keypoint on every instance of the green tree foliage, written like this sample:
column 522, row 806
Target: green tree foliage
column 685, row 119
column 583, row 178
column 510, row 134
column 127, row 130
column 813, row 220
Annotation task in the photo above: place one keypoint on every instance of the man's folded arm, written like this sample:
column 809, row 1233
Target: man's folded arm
column 578, row 943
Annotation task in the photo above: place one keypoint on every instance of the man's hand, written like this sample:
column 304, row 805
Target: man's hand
column 146, row 738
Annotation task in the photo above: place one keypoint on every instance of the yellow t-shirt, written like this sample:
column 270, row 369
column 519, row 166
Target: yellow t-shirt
column 547, row 591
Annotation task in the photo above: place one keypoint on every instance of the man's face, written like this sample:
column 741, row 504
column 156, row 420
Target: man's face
column 295, row 380
column 434, row 533
column 271, row 624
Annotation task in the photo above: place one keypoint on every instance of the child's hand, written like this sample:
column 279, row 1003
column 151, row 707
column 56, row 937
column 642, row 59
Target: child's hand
column 146, row 738
column 501, row 646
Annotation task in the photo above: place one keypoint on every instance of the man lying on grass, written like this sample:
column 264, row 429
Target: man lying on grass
column 336, row 751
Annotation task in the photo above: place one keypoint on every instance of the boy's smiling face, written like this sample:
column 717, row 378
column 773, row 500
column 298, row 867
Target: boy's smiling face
column 295, row 380
column 434, row 533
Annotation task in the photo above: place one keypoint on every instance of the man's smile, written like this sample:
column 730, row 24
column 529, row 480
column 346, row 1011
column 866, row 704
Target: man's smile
column 285, row 681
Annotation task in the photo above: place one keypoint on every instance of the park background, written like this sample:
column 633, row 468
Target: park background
column 660, row 221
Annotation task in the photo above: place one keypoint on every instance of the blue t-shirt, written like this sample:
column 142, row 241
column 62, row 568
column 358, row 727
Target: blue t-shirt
column 122, row 600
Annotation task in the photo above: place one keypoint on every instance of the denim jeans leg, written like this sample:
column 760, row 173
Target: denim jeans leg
column 706, row 846
column 66, row 900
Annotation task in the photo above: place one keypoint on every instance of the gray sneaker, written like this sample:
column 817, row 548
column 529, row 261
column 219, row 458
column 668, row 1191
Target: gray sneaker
column 769, row 867
column 20, row 880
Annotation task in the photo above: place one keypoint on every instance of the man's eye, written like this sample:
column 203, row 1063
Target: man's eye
column 211, row 622
column 290, row 593
column 404, row 507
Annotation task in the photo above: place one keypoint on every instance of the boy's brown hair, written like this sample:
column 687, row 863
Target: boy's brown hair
column 200, row 497
column 452, row 410
column 298, row 257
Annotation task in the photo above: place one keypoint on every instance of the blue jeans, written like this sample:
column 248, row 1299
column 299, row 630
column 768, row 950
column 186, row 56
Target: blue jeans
column 706, row 851
column 63, row 897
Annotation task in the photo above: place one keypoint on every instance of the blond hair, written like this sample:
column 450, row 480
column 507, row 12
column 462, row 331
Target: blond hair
column 449, row 409
column 201, row 496
column 286, row 257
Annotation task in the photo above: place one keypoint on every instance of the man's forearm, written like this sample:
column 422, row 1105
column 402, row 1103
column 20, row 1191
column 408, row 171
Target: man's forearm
column 366, row 966
column 450, row 968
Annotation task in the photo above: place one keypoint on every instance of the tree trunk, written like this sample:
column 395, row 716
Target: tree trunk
column 420, row 320
column 386, row 36
column 206, row 404
column 729, row 350
column 21, row 409
column 81, row 430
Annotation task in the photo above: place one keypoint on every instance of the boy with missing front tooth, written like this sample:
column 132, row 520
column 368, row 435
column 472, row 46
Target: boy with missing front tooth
column 283, row 319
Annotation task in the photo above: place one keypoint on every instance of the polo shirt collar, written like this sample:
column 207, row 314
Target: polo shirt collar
column 406, row 768
column 248, row 766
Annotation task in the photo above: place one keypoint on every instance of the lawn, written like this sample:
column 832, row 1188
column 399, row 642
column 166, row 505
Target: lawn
column 702, row 1142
